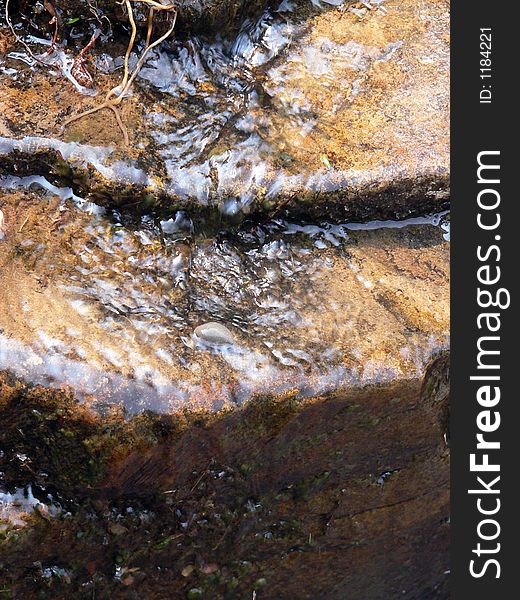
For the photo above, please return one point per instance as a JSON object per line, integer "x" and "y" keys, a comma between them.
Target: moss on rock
{"x": 287, "y": 498}
{"x": 194, "y": 15}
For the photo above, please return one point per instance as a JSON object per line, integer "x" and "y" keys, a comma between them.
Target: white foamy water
{"x": 15, "y": 507}
{"x": 217, "y": 141}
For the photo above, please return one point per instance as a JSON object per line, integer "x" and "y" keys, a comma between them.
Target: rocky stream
{"x": 224, "y": 299}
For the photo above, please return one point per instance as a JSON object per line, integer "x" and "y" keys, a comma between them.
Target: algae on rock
{"x": 253, "y": 499}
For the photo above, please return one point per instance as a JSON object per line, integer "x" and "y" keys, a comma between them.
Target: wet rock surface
{"x": 193, "y": 15}
{"x": 116, "y": 311}
{"x": 344, "y": 113}
{"x": 224, "y": 366}
{"x": 351, "y": 488}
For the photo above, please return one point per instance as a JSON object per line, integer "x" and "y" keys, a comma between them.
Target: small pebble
{"x": 188, "y": 570}
{"x": 214, "y": 333}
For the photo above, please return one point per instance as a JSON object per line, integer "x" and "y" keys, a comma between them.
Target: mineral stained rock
{"x": 339, "y": 114}
{"x": 202, "y": 394}
{"x": 111, "y": 310}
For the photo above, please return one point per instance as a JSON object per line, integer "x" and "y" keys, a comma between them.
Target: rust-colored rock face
{"x": 224, "y": 301}
{"x": 116, "y": 313}
{"x": 345, "y": 114}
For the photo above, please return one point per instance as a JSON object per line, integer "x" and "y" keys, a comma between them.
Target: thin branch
{"x": 17, "y": 37}
{"x": 129, "y": 76}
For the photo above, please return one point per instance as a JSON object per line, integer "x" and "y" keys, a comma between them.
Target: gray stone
{"x": 214, "y": 334}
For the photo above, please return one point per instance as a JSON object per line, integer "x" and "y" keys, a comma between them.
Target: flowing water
{"x": 264, "y": 264}
{"x": 243, "y": 122}
{"x": 110, "y": 308}
{"x": 108, "y": 304}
